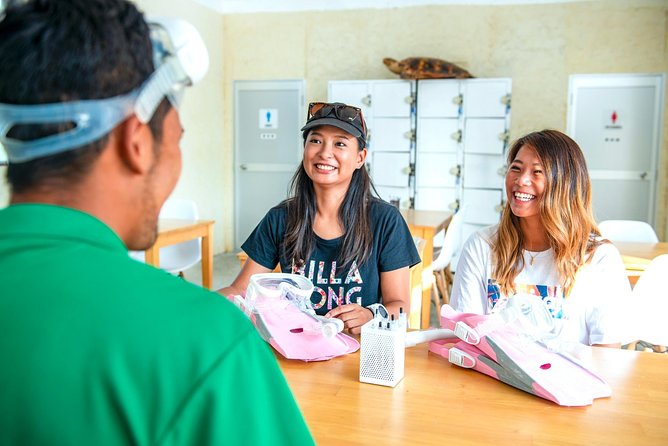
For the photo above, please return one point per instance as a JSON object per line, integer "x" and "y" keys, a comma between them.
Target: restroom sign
{"x": 612, "y": 119}
{"x": 268, "y": 118}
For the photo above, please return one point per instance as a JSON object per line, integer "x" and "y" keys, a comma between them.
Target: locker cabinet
{"x": 387, "y": 106}
{"x": 436, "y": 143}
{"x": 468, "y": 119}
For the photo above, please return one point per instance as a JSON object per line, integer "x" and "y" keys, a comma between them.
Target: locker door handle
{"x": 366, "y": 100}
{"x": 454, "y": 206}
{"x": 505, "y": 100}
{"x": 643, "y": 175}
{"x": 499, "y": 207}
{"x": 243, "y": 167}
{"x": 504, "y": 136}
{"x": 456, "y": 170}
{"x": 457, "y": 136}
{"x": 409, "y": 170}
{"x": 458, "y": 100}
{"x": 409, "y": 99}
{"x": 410, "y": 135}
{"x": 502, "y": 171}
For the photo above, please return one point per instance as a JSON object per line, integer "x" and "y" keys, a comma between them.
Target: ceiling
{"x": 253, "y": 6}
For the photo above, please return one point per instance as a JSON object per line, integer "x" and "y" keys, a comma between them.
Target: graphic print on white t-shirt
{"x": 332, "y": 290}
{"x": 551, "y": 295}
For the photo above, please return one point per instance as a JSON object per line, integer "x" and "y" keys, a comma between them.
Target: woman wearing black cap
{"x": 355, "y": 248}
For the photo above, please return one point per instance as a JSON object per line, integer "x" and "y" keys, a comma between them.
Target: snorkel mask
{"x": 180, "y": 59}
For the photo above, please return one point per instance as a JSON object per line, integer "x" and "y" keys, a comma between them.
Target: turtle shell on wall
{"x": 426, "y": 68}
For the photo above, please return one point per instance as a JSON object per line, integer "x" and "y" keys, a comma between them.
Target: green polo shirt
{"x": 96, "y": 348}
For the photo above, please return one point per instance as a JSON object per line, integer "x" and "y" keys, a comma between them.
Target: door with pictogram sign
{"x": 617, "y": 121}
{"x": 267, "y": 147}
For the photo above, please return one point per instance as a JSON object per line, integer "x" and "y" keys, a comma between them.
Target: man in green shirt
{"x": 96, "y": 348}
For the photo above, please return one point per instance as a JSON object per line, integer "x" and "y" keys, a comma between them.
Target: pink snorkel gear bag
{"x": 279, "y": 305}
{"x": 516, "y": 346}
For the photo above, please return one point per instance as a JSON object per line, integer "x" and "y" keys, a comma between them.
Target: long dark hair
{"x": 354, "y": 215}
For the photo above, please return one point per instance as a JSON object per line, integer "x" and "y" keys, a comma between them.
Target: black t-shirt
{"x": 393, "y": 248}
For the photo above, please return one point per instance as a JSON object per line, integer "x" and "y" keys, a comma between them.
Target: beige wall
{"x": 201, "y": 117}
{"x": 538, "y": 46}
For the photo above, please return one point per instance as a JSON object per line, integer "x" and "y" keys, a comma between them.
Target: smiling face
{"x": 525, "y": 183}
{"x": 331, "y": 156}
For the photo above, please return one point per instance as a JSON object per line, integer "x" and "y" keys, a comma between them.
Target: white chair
{"x": 649, "y": 302}
{"x": 441, "y": 265}
{"x": 627, "y": 231}
{"x": 177, "y": 258}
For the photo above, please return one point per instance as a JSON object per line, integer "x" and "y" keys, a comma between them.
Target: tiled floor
{"x": 225, "y": 269}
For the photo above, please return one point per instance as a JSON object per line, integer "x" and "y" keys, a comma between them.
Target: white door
{"x": 617, "y": 120}
{"x": 267, "y": 147}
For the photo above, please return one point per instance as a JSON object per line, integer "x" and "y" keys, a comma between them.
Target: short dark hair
{"x": 65, "y": 50}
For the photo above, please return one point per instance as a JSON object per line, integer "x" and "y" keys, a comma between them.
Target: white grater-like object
{"x": 382, "y": 352}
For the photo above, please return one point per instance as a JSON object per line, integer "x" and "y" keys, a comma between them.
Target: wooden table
{"x": 173, "y": 231}
{"x": 426, "y": 224}
{"x": 637, "y": 256}
{"x": 438, "y": 404}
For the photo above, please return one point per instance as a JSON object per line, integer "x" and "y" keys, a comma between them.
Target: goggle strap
{"x": 92, "y": 120}
{"x": 161, "y": 83}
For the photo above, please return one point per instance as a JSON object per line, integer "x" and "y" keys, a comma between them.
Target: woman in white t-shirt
{"x": 547, "y": 244}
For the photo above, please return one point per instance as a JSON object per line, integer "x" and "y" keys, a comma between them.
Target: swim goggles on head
{"x": 181, "y": 60}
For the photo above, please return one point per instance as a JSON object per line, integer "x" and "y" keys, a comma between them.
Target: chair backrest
{"x": 650, "y": 300}
{"x": 179, "y": 208}
{"x": 179, "y": 257}
{"x": 627, "y": 231}
{"x": 452, "y": 242}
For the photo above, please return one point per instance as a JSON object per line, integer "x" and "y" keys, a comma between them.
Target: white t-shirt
{"x": 592, "y": 314}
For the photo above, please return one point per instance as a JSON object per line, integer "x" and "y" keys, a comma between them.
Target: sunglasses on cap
{"x": 341, "y": 111}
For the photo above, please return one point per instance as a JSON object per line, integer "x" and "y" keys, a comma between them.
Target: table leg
{"x": 427, "y": 258}
{"x": 152, "y": 256}
{"x": 207, "y": 258}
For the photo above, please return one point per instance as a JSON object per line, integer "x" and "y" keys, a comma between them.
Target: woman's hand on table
{"x": 352, "y": 315}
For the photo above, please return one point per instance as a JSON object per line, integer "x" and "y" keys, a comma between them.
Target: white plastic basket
{"x": 382, "y": 353}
